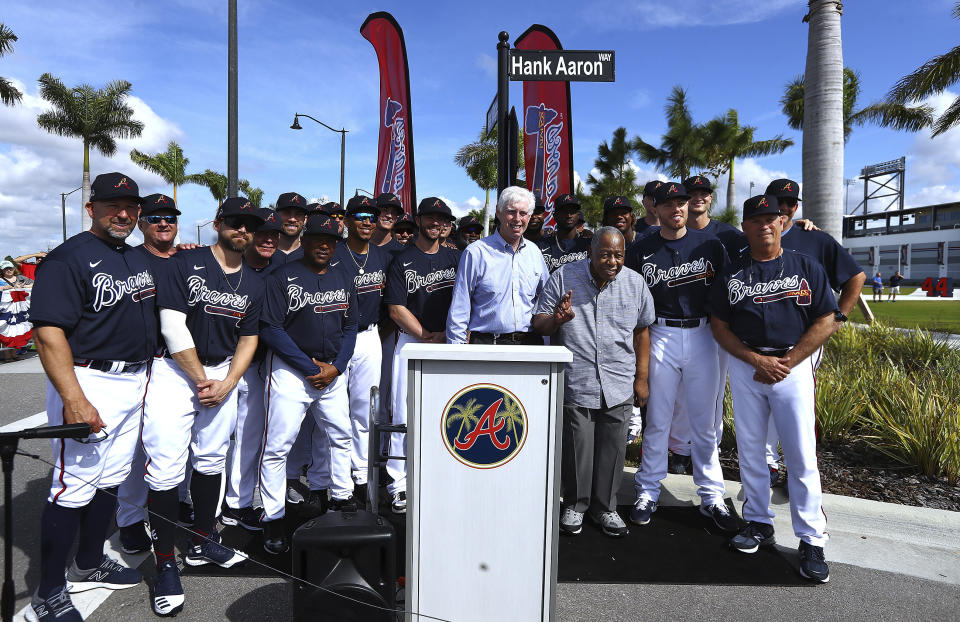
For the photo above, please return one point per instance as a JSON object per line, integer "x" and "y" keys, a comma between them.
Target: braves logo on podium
{"x": 484, "y": 426}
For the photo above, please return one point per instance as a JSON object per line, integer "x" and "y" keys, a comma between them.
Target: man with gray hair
{"x": 499, "y": 279}
{"x": 602, "y": 319}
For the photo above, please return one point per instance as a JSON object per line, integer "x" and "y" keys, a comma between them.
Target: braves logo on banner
{"x": 547, "y": 131}
{"x": 484, "y": 426}
{"x": 395, "y": 172}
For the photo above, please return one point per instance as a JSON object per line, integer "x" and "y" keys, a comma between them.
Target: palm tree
{"x": 512, "y": 416}
{"x": 682, "y": 148}
{"x": 891, "y": 114}
{"x": 97, "y": 116}
{"x": 466, "y": 414}
{"x": 213, "y": 181}
{"x": 170, "y": 165}
{"x": 479, "y": 160}
{"x": 9, "y": 94}
{"x": 254, "y": 195}
{"x": 617, "y": 176}
{"x": 932, "y": 78}
{"x": 591, "y": 205}
{"x": 727, "y": 141}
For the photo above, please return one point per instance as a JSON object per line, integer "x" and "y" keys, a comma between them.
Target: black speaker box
{"x": 351, "y": 555}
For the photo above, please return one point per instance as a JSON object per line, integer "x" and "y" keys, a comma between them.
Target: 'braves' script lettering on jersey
{"x": 435, "y": 280}
{"x": 688, "y": 272}
{"x": 298, "y": 299}
{"x": 108, "y": 291}
{"x": 364, "y": 281}
{"x": 197, "y": 291}
{"x": 770, "y": 291}
{"x": 555, "y": 262}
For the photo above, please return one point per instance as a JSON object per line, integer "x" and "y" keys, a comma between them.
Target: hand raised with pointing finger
{"x": 563, "y": 312}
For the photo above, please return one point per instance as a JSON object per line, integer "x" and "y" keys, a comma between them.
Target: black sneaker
{"x": 229, "y": 516}
{"x": 185, "y": 514}
{"x": 135, "y": 538}
{"x": 251, "y": 518}
{"x": 55, "y": 608}
{"x": 721, "y": 516}
{"x": 275, "y": 539}
{"x": 399, "y": 504}
{"x": 210, "y": 551}
{"x": 813, "y": 566}
{"x": 753, "y": 536}
{"x": 296, "y": 492}
{"x": 343, "y": 505}
{"x": 167, "y": 598}
{"x": 315, "y": 504}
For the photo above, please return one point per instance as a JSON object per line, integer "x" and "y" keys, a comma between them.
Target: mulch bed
{"x": 857, "y": 470}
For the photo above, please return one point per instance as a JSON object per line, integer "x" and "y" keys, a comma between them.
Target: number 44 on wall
{"x": 942, "y": 287}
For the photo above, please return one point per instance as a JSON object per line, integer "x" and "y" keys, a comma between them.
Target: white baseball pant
{"x": 688, "y": 355}
{"x": 387, "y": 349}
{"x": 289, "y": 398}
{"x": 80, "y": 468}
{"x": 132, "y": 494}
{"x": 311, "y": 450}
{"x": 176, "y": 426}
{"x": 397, "y": 469}
{"x": 790, "y": 403}
{"x": 244, "y": 462}
{"x": 680, "y": 428}
{"x": 773, "y": 438}
{"x": 364, "y": 373}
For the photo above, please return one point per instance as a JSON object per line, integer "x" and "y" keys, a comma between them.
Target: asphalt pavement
{"x": 887, "y": 562}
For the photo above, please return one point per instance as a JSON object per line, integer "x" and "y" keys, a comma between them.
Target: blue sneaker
{"x": 167, "y": 590}
{"x": 108, "y": 574}
{"x": 643, "y": 508}
{"x": 753, "y": 536}
{"x": 813, "y": 565}
{"x": 210, "y": 551}
{"x": 56, "y": 608}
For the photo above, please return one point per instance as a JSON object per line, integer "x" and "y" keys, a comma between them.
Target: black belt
{"x": 113, "y": 367}
{"x": 777, "y": 352}
{"x": 503, "y": 337}
{"x": 206, "y": 361}
{"x": 693, "y": 322}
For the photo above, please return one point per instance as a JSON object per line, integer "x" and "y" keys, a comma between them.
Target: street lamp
{"x": 63, "y": 209}
{"x": 203, "y": 224}
{"x": 343, "y": 140}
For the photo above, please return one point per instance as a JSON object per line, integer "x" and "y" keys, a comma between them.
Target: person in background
{"x": 894, "y": 286}
{"x": 10, "y": 278}
{"x": 534, "y": 231}
{"x": 404, "y": 230}
{"x": 878, "y": 287}
{"x": 27, "y": 268}
{"x": 650, "y": 217}
{"x": 469, "y": 230}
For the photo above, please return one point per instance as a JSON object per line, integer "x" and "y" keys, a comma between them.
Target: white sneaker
{"x": 399, "y": 505}
{"x": 611, "y": 524}
{"x": 571, "y": 521}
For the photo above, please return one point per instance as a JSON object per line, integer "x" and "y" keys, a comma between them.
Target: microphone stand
{"x": 8, "y": 449}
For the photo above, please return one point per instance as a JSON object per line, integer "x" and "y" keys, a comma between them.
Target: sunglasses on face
{"x": 336, "y": 216}
{"x": 156, "y": 220}
{"x": 791, "y": 203}
{"x": 474, "y": 231}
{"x": 237, "y": 222}
{"x": 364, "y": 216}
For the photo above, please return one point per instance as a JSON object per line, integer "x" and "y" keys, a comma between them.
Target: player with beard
{"x": 419, "y": 291}
{"x": 470, "y": 230}
{"x": 292, "y": 211}
{"x": 564, "y": 246}
{"x": 534, "y": 231}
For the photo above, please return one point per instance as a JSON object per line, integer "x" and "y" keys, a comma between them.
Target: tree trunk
{"x": 486, "y": 214}
{"x": 85, "y": 220}
{"x": 823, "y": 119}
{"x": 731, "y": 190}
{"x": 174, "y": 193}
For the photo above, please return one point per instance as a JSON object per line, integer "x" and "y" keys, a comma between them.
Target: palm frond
{"x": 792, "y": 103}
{"x": 949, "y": 118}
{"x": 9, "y": 94}
{"x": 931, "y": 78}
{"x": 7, "y": 39}
{"x": 895, "y": 116}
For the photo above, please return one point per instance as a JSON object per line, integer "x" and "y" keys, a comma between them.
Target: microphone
{"x": 73, "y": 430}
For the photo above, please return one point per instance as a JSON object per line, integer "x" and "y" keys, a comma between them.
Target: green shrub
{"x": 840, "y": 402}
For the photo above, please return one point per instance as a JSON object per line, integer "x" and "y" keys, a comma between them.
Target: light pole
{"x": 343, "y": 141}
{"x": 751, "y": 188}
{"x": 63, "y": 209}
{"x": 203, "y": 224}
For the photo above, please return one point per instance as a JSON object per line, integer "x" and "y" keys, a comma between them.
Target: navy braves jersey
{"x": 680, "y": 272}
{"x": 369, "y": 285}
{"x": 424, "y": 284}
{"x": 771, "y": 304}
{"x": 102, "y": 295}
{"x": 642, "y": 227}
{"x": 220, "y": 307}
{"x": 835, "y": 260}
{"x": 280, "y": 258}
{"x": 558, "y": 252}
{"x": 732, "y": 238}
{"x": 317, "y": 311}
{"x": 393, "y": 247}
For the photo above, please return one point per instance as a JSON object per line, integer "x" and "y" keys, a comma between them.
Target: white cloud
{"x": 932, "y": 195}
{"x": 487, "y": 64}
{"x": 36, "y": 167}
{"x": 935, "y": 160}
{"x": 649, "y": 14}
{"x": 639, "y": 98}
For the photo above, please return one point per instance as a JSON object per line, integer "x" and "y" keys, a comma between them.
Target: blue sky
{"x": 309, "y": 57}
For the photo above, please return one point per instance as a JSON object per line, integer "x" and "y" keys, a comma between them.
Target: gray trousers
{"x": 594, "y": 447}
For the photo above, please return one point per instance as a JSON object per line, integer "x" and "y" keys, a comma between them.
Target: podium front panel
{"x": 483, "y": 486}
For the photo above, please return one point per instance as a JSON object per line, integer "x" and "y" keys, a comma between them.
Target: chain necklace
{"x": 366, "y": 258}
{"x": 224, "y": 273}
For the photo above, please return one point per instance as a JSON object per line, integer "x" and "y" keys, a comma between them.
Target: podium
{"x": 483, "y": 485}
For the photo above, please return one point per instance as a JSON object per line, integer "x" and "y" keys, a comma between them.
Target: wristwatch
{"x": 839, "y": 316}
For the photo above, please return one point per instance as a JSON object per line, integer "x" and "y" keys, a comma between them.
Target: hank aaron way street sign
{"x": 562, "y": 65}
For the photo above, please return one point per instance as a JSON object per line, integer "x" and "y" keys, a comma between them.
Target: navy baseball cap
{"x": 404, "y": 221}
{"x": 784, "y": 189}
{"x": 434, "y": 205}
{"x": 237, "y": 206}
{"x": 670, "y": 190}
{"x": 156, "y": 202}
{"x": 321, "y": 224}
{"x": 292, "y": 199}
{"x": 618, "y": 202}
{"x": 538, "y": 206}
{"x": 469, "y": 221}
{"x": 759, "y": 205}
{"x": 271, "y": 222}
{"x": 567, "y": 199}
{"x": 697, "y": 182}
{"x": 650, "y": 189}
{"x": 389, "y": 199}
{"x": 332, "y": 209}
{"x": 361, "y": 204}
{"x": 114, "y": 186}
